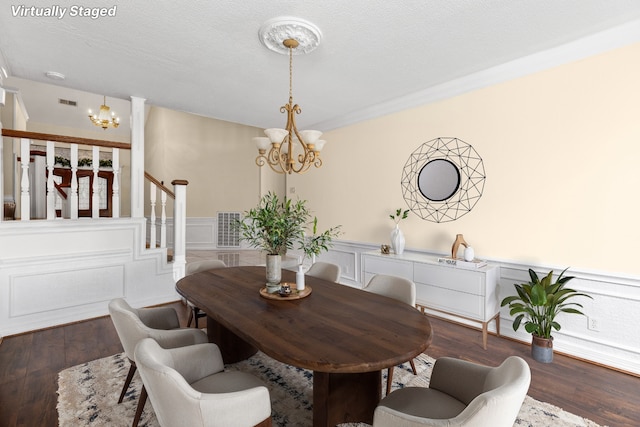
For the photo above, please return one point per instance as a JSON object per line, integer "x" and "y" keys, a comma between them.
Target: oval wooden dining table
{"x": 346, "y": 336}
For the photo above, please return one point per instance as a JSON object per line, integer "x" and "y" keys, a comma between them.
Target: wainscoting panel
{"x": 55, "y": 290}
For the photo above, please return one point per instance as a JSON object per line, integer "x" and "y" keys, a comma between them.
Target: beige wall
{"x": 216, "y": 157}
{"x": 560, "y": 151}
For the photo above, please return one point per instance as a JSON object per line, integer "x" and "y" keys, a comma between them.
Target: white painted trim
{"x": 588, "y": 46}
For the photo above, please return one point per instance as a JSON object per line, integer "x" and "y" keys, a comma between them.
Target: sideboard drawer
{"x": 450, "y": 301}
{"x": 389, "y": 266}
{"x": 467, "y": 281}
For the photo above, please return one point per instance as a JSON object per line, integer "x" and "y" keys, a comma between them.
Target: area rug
{"x": 88, "y": 394}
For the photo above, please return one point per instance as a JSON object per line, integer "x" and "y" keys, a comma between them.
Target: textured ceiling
{"x": 205, "y": 57}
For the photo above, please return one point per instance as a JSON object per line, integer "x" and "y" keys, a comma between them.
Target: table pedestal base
{"x": 340, "y": 398}
{"x": 233, "y": 348}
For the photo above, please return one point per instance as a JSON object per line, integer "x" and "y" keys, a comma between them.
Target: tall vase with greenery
{"x": 275, "y": 226}
{"x": 537, "y": 303}
{"x": 397, "y": 237}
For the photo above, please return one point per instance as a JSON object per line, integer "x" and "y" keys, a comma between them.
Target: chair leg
{"x": 389, "y": 379}
{"x": 132, "y": 370}
{"x": 190, "y": 319}
{"x": 413, "y": 366}
{"x": 195, "y": 315}
{"x": 141, "y": 402}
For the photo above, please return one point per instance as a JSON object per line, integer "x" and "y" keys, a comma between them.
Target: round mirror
{"x": 438, "y": 180}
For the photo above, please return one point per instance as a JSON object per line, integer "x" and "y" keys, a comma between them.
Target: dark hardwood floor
{"x": 29, "y": 366}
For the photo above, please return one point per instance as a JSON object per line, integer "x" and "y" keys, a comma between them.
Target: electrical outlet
{"x": 593, "y": 324}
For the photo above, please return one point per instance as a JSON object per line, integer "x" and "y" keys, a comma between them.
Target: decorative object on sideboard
{"x": 274, "y": 226}
{"x": 537, "y": 303}
{"x": 397, "y": 237}
{"x": 443, "y": 179}
{"x": 289, "y": 35}
{"x": 456, "y": 246}
{"x": 468, "y": 260}
{"x": 384, "y": 249}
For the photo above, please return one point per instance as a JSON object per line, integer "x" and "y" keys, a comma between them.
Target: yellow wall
{"x": 216, "y": 157}
{"x": 560, "y": 148}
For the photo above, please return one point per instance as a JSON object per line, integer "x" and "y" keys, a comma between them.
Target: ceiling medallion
{"x": 275, "y": 31}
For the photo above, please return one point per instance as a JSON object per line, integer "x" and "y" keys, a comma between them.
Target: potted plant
{"x": 537, "y": 304}
{"x": 274, "y": 226}
{"x": 397, "y": 237}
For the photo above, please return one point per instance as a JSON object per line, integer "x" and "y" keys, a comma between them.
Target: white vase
{"x": 397, "y": 240}
{"x": 469, "y": 254}
{"x": 274, "y": 272}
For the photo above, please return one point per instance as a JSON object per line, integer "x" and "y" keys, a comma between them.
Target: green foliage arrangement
{"x": 540, "y": 301}
{"x": 275, "y": 226}
{"x": 59, "y": 160}
{"x": 399, "y": 215}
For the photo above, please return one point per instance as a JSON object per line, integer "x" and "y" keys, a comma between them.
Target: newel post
{"x": 179, "y": 227}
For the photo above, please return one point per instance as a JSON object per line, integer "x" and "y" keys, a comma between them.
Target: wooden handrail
{"x": 11, "y": 133}
{"x": 159, "y": 184}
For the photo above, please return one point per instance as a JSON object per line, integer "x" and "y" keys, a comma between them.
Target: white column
{"x": 95, "y": 188}
{"x": 179, "y": 228}
{"x": 51, "y": 189}
{"x": 25, "y": 199}
{"x": 137, "y": 157}
{"x": 115, "y": 200}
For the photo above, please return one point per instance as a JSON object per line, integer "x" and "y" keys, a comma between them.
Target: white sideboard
{"x": 455, "y": 291}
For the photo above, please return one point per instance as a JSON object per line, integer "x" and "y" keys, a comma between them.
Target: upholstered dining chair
{"x": 324, "y": 270}
{"x": 398, "y": 288}
{"x": 194, "y": 267}
{"x": 460, "y": 393}
{"x": 159, "y": 323}
{"x": 188, "y": 387}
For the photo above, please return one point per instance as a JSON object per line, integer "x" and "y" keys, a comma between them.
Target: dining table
{"x": 345, "y": 335}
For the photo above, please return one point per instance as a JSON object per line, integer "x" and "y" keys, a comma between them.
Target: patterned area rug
{"x": 88, "y": 394}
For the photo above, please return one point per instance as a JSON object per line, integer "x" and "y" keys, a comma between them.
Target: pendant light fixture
{"x": 289, "y": 150}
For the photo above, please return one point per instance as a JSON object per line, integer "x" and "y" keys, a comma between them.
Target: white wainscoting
{"x": 615, "y": 307}
{"x": 201, "y": 234}
{"x": 57, "y": 272}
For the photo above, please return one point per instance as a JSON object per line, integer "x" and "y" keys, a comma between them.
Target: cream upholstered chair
{"x": 188, "y": 387}
{"x": 398, "y": 288}
{"x": 194, "y": 267}
{"x": 159, "y": 323}
{"x": 324, "y": 270}
{"x": 460, "y": 393}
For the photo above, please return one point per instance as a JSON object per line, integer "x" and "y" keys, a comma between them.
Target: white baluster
{"x": 152, "y": 220}
{"x": 115, "y": 200}
{"x": 163, "y": 220}
{"x": 73, "y": 197}
{"x": 51, "y": 189}
{"x": 95, "y": 188}
{"x": 25, "y": 199}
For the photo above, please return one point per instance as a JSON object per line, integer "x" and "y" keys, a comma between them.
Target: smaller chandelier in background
{"x": 279, "y": 148}
{"x": 105, "y": 118}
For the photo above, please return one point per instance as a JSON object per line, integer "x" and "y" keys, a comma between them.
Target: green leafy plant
{"x": 316, "y": 243}
{"x": 275, "y": 226}
{"x": 540, "y": 301}
{"x": 399, "y": 215}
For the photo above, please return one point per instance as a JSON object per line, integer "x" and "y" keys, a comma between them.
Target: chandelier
{"x": 289, "y": 150}
{"x": 104, "y": 118}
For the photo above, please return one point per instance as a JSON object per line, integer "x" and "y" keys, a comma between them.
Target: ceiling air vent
{"x": 67, "y": 102}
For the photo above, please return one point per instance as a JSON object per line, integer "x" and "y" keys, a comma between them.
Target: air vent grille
{"x": 67, "y": 102}
{"x": 228, "y": 237}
